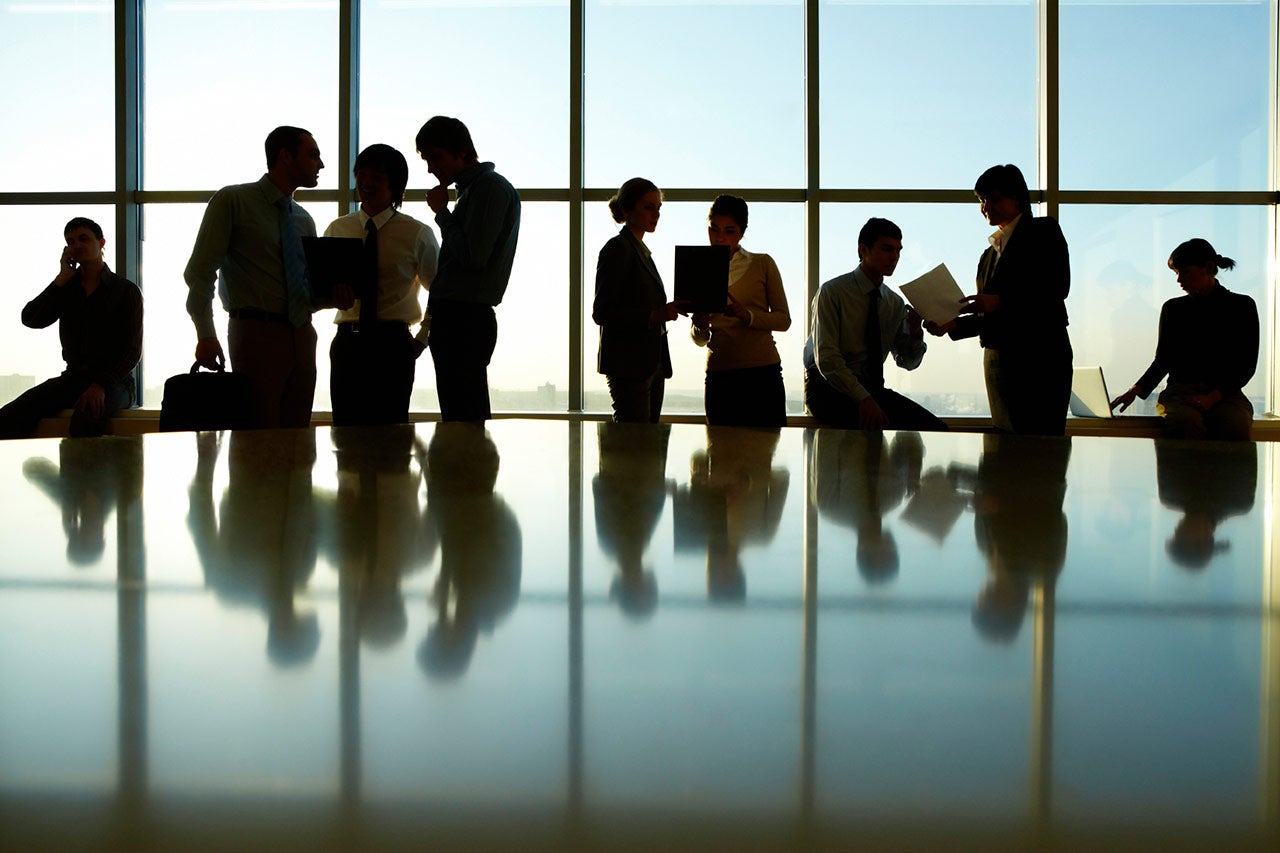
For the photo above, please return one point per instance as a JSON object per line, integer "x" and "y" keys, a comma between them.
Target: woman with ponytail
{"x": 1208, "y": 347}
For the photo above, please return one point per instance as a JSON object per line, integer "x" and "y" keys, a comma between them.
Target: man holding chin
{"x": 99, "y": 317}
{"x": 478, "y": 246}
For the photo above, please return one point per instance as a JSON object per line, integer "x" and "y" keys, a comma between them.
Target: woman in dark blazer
{"x": 631, "y": 308}
{"x": 1019, "y": 312}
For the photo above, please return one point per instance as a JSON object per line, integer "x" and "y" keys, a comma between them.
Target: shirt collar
{"x": 999, "y": 238}
{"x": 468, "y": 175}
{"x": 378, "y": 221}
{"x": 270, "y": 191}
{"x": 742, "y": 254}
{"x": 865, "y": 284}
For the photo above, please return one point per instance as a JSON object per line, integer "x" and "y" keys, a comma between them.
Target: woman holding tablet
{"x": 744, "y": 372}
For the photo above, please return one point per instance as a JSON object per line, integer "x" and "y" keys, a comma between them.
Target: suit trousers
{"x": 20, "y": 417}
{"x": 637, "y": 401}
{"x": 371, "y": 376}
{"x": 1230, "y": 420}
{"x": 1029, "y": 391}
{"x": 463, "y": 336}
{"x": 280, "y": 361}
{"x": 831, "y": 408}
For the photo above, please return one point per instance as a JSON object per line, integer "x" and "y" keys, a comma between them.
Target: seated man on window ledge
{"x": 99, "y": 316}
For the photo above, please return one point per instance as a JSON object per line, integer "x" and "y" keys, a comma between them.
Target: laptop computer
{"x": 1089, "y": 398}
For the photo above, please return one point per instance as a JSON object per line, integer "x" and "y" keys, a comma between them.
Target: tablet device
{"x": 331, "y": 260}
{"x": 1089, "y": 398}
{"x": 702, "y": 278}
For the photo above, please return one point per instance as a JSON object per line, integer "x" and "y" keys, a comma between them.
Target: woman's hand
{"x": 939, "y": 329}
{"x": 979, "y": 303}
{"x": 701, "y": 319}
{"x": 737, "y": 309}
{"x": 669, "y": 312}
{"x": 1125, "y": 400}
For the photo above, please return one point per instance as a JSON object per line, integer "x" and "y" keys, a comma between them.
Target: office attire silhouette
{"x": 633, "y": 356}
{"x": 1028, "y": 355}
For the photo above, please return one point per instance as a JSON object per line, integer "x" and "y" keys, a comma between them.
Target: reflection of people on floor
{"x": 480, "y": 548}
{"x": 630, "y": 491}
{"x": 734, "y": 498}
{"x": 1019, "y": 525}
{"x": 1207, "y": 483}
{"x": 856, "y": 478}
{"x": 90, "y": 480}
{"x": 259, "y": 549}
{"x": 371, "y": 531}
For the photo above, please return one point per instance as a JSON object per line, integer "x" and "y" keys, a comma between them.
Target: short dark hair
{"x": 629, "y": 195}
{"x": 84, "y": 222}
{"x": 1198, "y": 252}
{"x": 390, "y": 162}
{"x": 283, "y": 138}
{"x": 447, "y": 133}
{"x": 1004, "y": 182}
{"x": 731, "y": 206}
{"x": 877, "y": 228}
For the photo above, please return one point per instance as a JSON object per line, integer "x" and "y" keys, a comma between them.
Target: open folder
{"x": 1089, "y": 398}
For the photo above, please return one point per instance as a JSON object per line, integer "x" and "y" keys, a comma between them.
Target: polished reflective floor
{"x": 552, "y": 635}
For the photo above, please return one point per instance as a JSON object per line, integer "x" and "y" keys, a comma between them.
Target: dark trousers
{"x": 371, "y": 376}
{"x": 280, "y": 362}
{"x": 1230, "y": 420}
{"x": 749, "y": 396}
{"x": 637, "y": 401}
{"x": 832, "y": 408}
{"x": 463, "y": 335}
{"x": 1029, "y": 390}
{"x": 20, "y": 418}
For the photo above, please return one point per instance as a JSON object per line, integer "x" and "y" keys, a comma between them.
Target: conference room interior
{"x": 676, "y": 635}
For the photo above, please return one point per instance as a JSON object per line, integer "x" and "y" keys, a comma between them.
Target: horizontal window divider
{"x": 104, "y": 197}
{"x": 687, "y": 194}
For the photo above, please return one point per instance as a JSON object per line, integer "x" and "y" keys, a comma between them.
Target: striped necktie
{"x": 297, "y": 290}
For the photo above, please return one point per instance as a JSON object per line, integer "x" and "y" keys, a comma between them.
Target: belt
{"x": 258, "y": 314}
{"x": 374, "y": 326}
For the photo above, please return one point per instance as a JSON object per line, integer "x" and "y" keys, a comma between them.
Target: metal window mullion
{"x": 576, "y": 283}
{"x": 128, "y": 97}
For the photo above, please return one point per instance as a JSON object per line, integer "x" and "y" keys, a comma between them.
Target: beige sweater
{"x": 754, "y": 283}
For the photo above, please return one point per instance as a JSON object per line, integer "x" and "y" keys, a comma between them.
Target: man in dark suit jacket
{"x": 1019, "y": 312}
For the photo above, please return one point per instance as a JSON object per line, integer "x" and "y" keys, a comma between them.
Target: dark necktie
{"x": 874, "y": 370}
{"x": 369, "y": 293}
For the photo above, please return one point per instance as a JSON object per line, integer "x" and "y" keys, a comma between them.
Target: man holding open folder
{"x": 373, "y": 355}
{"x": 857, "y": 321}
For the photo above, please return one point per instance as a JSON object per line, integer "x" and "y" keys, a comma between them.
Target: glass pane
{"x": 57, "y": 61}
{"x": 676, "y": 91}
{"x": 774, "y": 229}
{"x": 509, "y": 82}
{"x": 949, "y": 381}
{"x": 220, "y": 74}
{"x": 925, "y": 94}
{"x": 1165, "y": 94}
{"x": 1121, "y": 278}
{"x": 30, "y": 356}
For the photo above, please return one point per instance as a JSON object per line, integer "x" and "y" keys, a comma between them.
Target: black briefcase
{"x": 214, "y": 399}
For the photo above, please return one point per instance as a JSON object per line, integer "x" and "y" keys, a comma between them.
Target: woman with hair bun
{"x": 1208, "y": 347}
{"x": 744, "y": 371}
{"x": 631, "y": 308}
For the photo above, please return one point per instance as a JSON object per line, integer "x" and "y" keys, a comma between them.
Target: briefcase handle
{"x": 222, "y": 365}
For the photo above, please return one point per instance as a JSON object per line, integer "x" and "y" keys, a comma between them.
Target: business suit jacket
{"x": 628, "y": 291}
{"x": 1029, "y": 329}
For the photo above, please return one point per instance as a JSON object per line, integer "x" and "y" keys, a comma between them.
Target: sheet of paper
{"x": 935, "y": 295}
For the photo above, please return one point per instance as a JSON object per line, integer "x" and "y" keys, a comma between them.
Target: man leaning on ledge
{"x": 99, "y": 317}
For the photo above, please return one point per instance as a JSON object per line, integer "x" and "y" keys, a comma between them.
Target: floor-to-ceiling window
{"x": 1138, "y": 124}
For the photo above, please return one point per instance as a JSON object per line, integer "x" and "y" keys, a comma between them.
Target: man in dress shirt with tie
{"x": 373, "y": 354}
{"x": 250, "y": 243}
{"x": 856, "y": 322}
